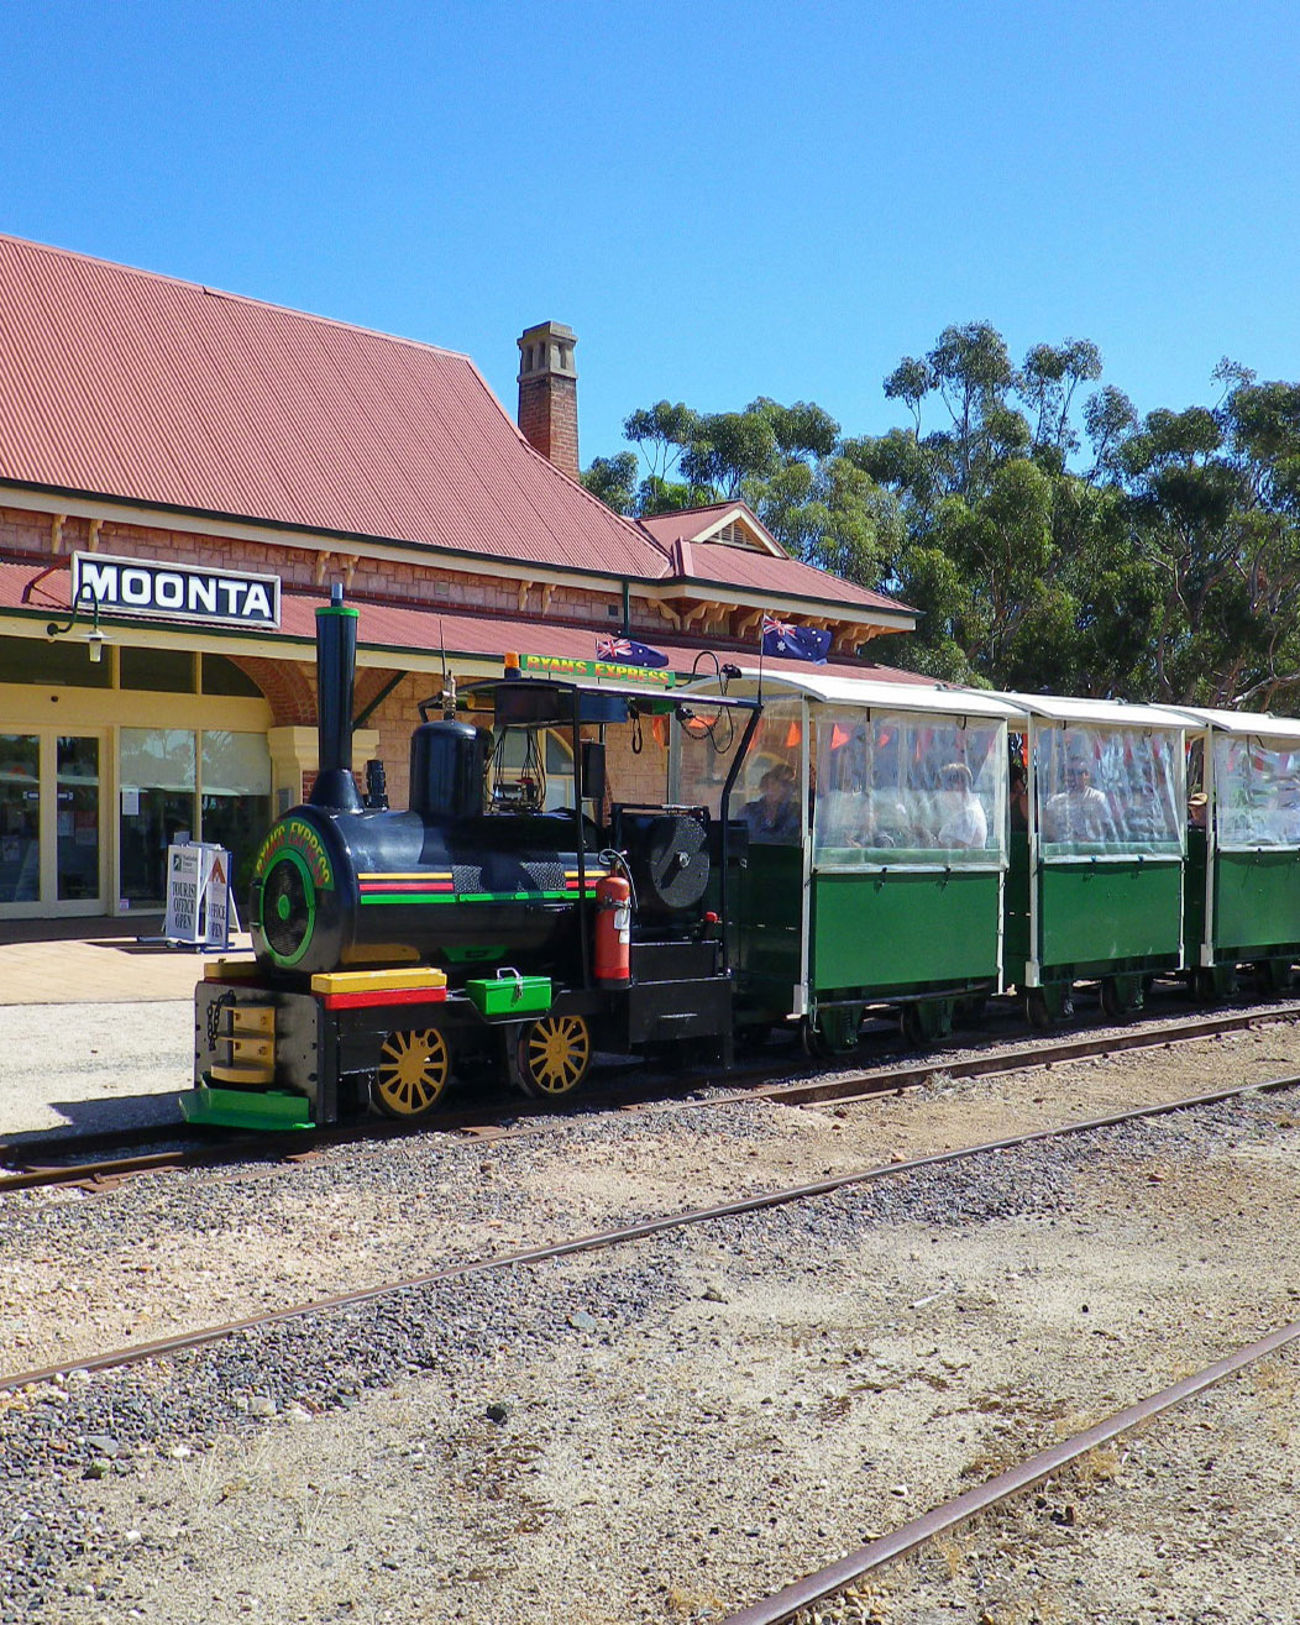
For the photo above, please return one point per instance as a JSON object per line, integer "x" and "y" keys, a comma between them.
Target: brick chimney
{"x": 548, "y": 393}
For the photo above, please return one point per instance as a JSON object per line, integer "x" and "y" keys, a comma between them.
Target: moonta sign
{"x": 178, "y": 591}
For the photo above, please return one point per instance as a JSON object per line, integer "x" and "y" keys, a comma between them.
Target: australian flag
{"x": 795, "y": 642}
{"x": 629, "y": 652}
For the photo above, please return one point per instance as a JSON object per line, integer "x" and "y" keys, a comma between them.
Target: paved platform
{"x": 96, "y": 1028}
{"x": 96, "y": 961}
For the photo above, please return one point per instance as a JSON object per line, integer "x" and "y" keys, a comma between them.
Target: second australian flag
{"x": 795, "y": 642}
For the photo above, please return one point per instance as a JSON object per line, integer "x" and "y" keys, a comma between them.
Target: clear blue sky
{"x": 724, "y": 198}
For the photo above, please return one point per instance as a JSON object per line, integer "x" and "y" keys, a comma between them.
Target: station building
{"x": 185, "y": 474}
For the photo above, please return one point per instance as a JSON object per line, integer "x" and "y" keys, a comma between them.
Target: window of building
{"x": 164, "y": 671}
{"x": 157, "y": 778}
{"x": 212, "y": 786}
{"x": 53, "y": 662}
{"x": 236, "y": 797}
{"x": 222, "y": 676}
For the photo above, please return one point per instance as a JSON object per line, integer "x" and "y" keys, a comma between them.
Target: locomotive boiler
{"x": 476, "y": 931}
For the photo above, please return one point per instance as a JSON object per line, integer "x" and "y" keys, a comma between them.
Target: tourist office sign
{"x": 182, "y": 592}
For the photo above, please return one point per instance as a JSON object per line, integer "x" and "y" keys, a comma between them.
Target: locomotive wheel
{"x": 551, "y": 1056}
{"x": 413, "y": 1073}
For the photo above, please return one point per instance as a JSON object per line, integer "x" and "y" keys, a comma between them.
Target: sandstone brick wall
{"x": 410, "y": 583}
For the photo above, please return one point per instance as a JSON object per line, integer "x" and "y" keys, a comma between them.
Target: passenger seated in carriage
{"x": 773, "y": 817}
{"x": 1080, "y": 812}
{"x": 964, "y": 822}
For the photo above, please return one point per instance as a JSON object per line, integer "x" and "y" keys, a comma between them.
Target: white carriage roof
{"x": 882, "y": 696}
{"x": 1240, "y": 723}
{"x": 1101, "y": 713}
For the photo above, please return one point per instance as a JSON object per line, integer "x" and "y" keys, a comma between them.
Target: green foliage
{"x": 1162, "y": 562}
{"x": 613, "y": 480}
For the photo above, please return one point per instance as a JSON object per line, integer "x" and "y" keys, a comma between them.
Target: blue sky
{"x": 722, "y": 199}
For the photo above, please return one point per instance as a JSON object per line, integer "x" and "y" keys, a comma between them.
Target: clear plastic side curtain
{"x": 1110, "y": 792}
{"x": 894, "y": 788}
{"x": 1257, "y": 791}
{"x": 766, "y": 791}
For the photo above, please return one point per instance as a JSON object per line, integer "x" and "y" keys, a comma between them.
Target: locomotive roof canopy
{"x": 548, "y": 702}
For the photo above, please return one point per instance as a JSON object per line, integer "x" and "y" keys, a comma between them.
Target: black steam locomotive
{"x": 476, "y": 932}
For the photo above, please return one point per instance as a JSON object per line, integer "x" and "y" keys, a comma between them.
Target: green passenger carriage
{"x": 877, "y": 853}
{"x": 1098, "y": 839}
{"x": 1243, "y": 849}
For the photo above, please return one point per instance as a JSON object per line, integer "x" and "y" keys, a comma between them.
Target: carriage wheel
{"x": 1037, "y": 1011}
{"x": 911, "y": 1022}
{"x": 413, "y": 1073}
{"x": 551, "y": 1056}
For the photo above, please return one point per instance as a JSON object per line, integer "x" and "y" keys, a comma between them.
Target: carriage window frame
{"x": 887, "y": 796}
{"x": 1110, "y": 792}
{"x": 1256, "y": 793}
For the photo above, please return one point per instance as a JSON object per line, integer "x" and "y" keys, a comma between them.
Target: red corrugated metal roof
{"x": 386, "y": 626}
{"x": 121, "y": 383}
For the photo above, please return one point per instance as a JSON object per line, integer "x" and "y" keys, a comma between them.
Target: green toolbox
{"x": 510, "y": 994}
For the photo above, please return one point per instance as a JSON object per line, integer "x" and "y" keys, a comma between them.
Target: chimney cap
{"x": 542, "y": 329}
{"x": 546, "y": 350}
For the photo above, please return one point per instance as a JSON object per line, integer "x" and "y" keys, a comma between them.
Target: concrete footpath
{"x": 96, "y": 1029}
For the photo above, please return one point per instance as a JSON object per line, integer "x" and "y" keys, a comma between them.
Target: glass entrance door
{"x": 20, "y": 819}
{"x": 76, "y": 844}
{"x": 51, "y": 831}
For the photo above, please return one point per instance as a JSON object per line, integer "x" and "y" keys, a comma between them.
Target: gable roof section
{"x": 714, "y": 524}
{"x": 764, "y": 569}
{"x": 121, "y": 383}
{"x": 784, "y": 578}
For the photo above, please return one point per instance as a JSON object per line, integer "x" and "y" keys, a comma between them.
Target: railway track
{"x": 461, "y": 1269}
{"x": 831, "y": 1582}
{"x": 38, "y": 1163}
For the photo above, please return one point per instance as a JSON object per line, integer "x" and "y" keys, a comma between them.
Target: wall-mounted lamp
{"x": 95, "y": 639}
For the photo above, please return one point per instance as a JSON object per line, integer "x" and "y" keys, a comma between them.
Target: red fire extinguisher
{"x": 613, "y": 930}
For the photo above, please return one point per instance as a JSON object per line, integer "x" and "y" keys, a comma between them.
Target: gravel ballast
{"x": 655, "y": 1433}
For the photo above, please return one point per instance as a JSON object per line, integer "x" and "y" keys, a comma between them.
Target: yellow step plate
{"x": 230, "y": 970}
{"x": 377, "y": 981}
{"x": 247, "y": 1018}
{"x": 256, "y": 1051}
{"x": 251, "y": 1076}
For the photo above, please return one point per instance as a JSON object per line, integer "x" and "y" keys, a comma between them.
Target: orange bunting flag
{"x": 839, "y": 736}
{"x": 794, "y": 736}
{"x": 659, "y": 728}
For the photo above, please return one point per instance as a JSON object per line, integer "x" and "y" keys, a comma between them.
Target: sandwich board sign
{"x": 200, "y": 908}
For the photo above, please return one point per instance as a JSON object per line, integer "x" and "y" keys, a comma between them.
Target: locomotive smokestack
{"x": 336, "y": 659}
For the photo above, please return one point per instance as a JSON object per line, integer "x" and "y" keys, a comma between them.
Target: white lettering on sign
{"x": 169, "y": 591}
{"x": 191, "y": 592}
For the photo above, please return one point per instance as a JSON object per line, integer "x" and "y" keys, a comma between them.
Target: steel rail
{"x": 801, "y": 1091}
{"x": 784, "y": 1605}
{"x": 179, "y": 1342}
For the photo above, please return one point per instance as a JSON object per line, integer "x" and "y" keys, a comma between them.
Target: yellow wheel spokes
{"x": 413, "y": 1072}
{"x": 559, "y": 1048}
